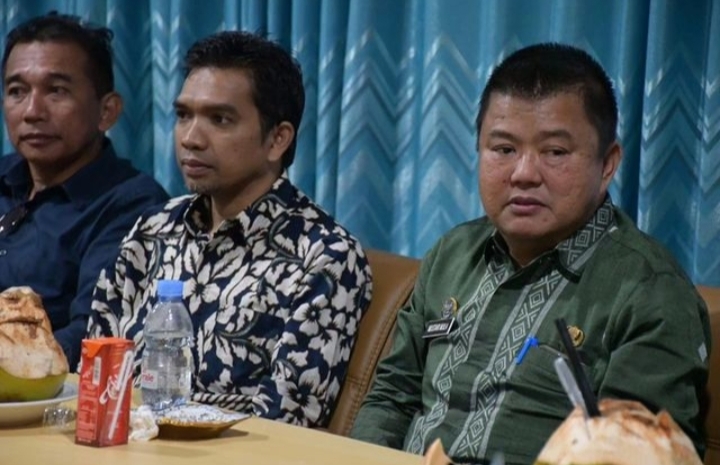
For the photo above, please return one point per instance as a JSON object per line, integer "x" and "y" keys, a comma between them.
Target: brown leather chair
{"x": 393, "y": 281}
{"x": 711, "y": 295}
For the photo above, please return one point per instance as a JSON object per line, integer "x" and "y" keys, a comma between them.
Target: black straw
{"x": 580, "y": 375}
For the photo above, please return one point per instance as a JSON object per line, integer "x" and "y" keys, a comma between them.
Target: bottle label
{"x": 149, "y": 379}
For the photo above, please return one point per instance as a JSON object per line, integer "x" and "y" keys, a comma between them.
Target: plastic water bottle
{"x": 167, "y": 363}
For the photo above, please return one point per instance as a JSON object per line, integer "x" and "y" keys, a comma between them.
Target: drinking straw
{"x": 498, "y": 459}
{"x": 571, "y": 388}
{"x": 580, "y": 375}
{"x": 125, "y": 370}
{"x": 569, "y": 384}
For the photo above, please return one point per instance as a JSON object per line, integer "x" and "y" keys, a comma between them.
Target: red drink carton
{"x": 104, "y": 392}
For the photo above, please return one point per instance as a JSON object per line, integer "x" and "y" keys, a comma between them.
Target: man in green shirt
{"x": 551, "y": 246}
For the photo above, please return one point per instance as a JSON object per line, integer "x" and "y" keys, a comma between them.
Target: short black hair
{"x": 276, "y": 77}
{"x": 93, "y": 40}
{"x": 544, "y": 70}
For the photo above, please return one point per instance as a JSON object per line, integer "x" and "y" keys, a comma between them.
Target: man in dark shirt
{"x": 66, "y": 199}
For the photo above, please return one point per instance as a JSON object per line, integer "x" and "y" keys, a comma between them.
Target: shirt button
{"x": 3, "y": 252}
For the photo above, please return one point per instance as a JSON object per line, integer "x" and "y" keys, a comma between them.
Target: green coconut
{"x": 14, "y": 389}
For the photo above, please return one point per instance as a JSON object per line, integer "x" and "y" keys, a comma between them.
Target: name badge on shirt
{"x": 441, "y": 327}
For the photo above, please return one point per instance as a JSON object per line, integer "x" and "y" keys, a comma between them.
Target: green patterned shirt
{"x": 642, "y": 327}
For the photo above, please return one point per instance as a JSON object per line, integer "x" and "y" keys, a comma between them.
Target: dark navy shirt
{"x": 70, "y": 232}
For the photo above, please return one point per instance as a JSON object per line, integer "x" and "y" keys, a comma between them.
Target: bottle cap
{"x": 169, "y": 288}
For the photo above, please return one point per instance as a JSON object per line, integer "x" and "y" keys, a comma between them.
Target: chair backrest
{"x": 711, "y": 295}
{"x": 393, "y": 280}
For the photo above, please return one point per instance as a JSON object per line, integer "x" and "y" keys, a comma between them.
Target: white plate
{"x": 23, "y": 413}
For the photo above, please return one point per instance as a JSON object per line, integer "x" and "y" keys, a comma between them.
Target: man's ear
{"x": 281, "y": 138}
{"x": 611, "y": 162}
{"x": 111, "y": 106}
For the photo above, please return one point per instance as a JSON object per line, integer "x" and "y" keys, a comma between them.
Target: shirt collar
{"x": 574, "y": 252}
{"x": 270, "y": 205}
{"x": 16, "y": 179}
{"x": 81, "y": 188}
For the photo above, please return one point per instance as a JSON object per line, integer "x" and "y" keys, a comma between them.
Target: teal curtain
{"x": 387, "y": 140}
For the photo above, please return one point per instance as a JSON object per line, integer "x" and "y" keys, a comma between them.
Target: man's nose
{"x": 191, "y": 135}
{"x": 527, "y": 170}
{"x": 35, "y": 108}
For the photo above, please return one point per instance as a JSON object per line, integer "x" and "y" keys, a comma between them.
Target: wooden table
{"x": 254, "y": 441}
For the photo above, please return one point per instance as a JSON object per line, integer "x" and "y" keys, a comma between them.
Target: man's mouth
{"x": 193, "y": 167}
{"x": 38, "y": 139}
{"x": 525, "y": 205}
{"x": 525, "y": 201}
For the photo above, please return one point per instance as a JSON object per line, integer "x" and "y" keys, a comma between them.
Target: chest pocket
{"x": 237, "y": 343}
{"x": 237, "y": 339}
{"x": 536, "y": 382}
{"x": 44, "y": 261}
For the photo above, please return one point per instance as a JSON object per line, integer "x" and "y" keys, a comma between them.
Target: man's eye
{"x": 59, "y": 90}
{"x": 181, "y": 114}
{"x": 14, "y": 91}
{"x": 504, "y": 150}
{"x": 557, "y": 152}
{"x": 220, "y": 119}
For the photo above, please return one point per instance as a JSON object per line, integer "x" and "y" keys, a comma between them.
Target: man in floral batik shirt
{"x": 275, "y": 287}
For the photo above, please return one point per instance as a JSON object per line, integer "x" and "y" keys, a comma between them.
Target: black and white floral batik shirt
{"x": 276, "y": 296}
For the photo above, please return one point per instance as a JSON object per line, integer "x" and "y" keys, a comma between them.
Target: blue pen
{"x": 531, "y": 341}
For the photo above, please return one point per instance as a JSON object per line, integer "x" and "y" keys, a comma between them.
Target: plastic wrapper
{"x": 142, "y": 424}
